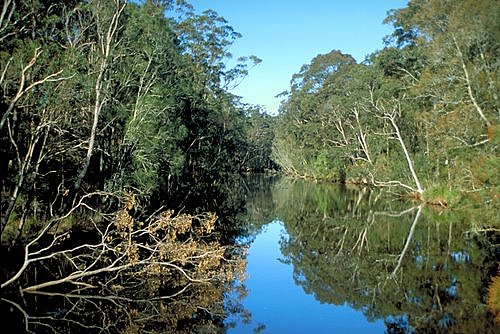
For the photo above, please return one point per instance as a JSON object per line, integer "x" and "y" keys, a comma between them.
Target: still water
{"x": 319, "y": 258}
{"x": 323, "y": 258}
{"x": 279, "y": 305}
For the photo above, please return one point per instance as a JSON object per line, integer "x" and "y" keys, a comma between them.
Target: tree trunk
{"x": 23, "y": 167}
{"x": 407, "y": 155}
{"x": 106, "y": 43}
{"x": 468, "y": 82}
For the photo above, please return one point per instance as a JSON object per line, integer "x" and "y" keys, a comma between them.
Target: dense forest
{"x": 421, "y": 114}
{"x": 118, "y": 134}
{"x": 108, "y": 96}
{"x": 119, "y": 129}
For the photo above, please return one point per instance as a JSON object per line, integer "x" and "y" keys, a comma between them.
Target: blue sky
{"x": 286, "y": 34}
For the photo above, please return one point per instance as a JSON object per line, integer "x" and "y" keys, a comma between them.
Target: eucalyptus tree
{"x": 32, "y": 72}
{"x": 109, "y": 95}
{"x": 422, "y": 113}
{"x": 457, "y": 88}
{"x": 259, "y": 131}
{"x": 212, "y": 118}
{"x": 302, "y": 133}
{"x": 144, "y": 143}
{"x": 107, "y": 22}
{"x": 333, "y": 118}
{"x": 465, "y": 34}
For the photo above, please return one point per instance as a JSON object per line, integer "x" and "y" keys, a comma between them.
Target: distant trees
{"x": 420, "y": 111}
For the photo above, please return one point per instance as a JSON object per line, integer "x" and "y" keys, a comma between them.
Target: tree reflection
{"x": 414, "y": 267}
{"x": 170, "y": 273}
{"x": 197, "y": 308}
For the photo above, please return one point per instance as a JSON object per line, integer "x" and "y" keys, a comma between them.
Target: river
{"x": 319, "y": 258}
{"x": 325, "y": 258}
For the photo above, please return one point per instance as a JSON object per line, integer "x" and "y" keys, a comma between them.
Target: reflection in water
{"x": 416, "y": 269}
{"x": 333, "y": 259}
{"x": 278, "y": 305}
{"x": 196, "y": 308}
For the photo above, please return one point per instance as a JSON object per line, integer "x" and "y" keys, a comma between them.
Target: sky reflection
{"x": 277, "y": 303}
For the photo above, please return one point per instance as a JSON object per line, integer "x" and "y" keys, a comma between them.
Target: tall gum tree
{"x": 457, "y": 89}
{"x": 461, "y": 41}
{"x": 107, "y": 21}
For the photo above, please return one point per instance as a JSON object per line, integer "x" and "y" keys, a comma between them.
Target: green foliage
{"x": 442, "y": 195}
{"x": 323, "y": 164}
{"x": 436, "y": 81}
{"x": 108, "y": 96}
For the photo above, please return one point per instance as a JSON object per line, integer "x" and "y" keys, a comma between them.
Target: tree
{"x": 302, "y": 138}
{"x": 470, "y": 52}
{"x": 423, "y": 108}
{"x": 107, "y": 22}
{"x": 455, "y": 90}
{"x": 29, "y": 78}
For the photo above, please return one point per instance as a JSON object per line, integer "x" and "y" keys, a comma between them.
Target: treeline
{"x": 111, "y": 96}
{"x": 421, "y": 114}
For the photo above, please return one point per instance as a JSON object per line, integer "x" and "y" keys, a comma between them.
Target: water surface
{"x": 329, "y": 259}
{"x": 279, "y": 305}
{"x": 321, "y": 258}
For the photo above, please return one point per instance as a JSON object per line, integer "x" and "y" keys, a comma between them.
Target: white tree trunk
{"x": 468, "y": 82}
{"x": 419, "y": 188}
{"x": 106, "y": 43}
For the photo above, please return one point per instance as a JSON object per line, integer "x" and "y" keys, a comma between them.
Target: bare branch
{"x": 22, "y": 82}
{"x": 390, "y": 184}
{"x": 468, "y": 83}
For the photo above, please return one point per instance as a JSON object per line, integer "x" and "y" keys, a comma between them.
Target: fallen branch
{"x": 390, "y": 184}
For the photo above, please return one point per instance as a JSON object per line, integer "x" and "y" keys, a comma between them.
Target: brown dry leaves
{"x": 174, "y": 249}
